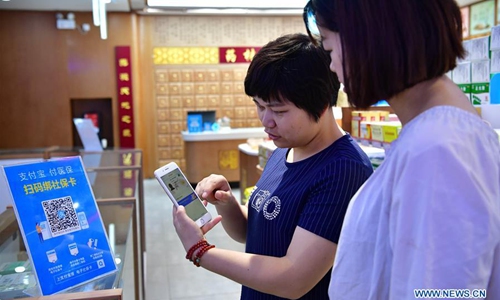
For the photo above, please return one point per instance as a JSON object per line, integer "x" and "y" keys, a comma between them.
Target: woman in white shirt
{"x": 429, "y": 217}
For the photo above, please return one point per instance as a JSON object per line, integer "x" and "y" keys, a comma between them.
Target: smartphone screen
{"x": 184, "y": 194}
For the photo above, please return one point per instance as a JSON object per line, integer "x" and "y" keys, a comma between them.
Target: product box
{"x": 366, "y": 116}
{"x": 390, "y": 131}
{"x": 366, "y": 133}
{"x": 480, "y": 93}
{"x": 480, "y": 71}
{"x": 357, "y": 117}
{"x": 462, "y": 73}
{"x": 467, "y": 47}
{"x": 495, "y": 38}
{"x": 377, "y": 134}
{"x": 480, "y": 48}
{"x": 195, "y": 123}
{"x": 495, "y": 62}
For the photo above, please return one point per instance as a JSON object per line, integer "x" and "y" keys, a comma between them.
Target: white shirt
{"x": 429, "y": 216}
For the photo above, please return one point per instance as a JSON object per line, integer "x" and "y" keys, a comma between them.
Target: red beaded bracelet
{"x": 200, "y": 253}
{"x": 195, "y": 247}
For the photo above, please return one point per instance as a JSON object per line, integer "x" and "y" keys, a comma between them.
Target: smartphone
{"x": 180, "y": 191}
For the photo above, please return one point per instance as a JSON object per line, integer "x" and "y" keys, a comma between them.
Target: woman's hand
{"x": 188, "y": 231}
{"x": 215, "y": 189}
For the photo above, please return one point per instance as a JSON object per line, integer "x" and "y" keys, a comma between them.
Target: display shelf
{"x": 113, "y": 174}
{"x": 124, "y": 283}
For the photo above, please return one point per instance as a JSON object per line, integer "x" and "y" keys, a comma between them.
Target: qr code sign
{"x": 61, "y": 216}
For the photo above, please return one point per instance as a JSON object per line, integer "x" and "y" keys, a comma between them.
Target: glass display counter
{"x": 119, "y": 216}
{"x": 113, "y": 174}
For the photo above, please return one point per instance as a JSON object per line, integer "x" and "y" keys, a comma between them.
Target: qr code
{"x": 61, "y": 216}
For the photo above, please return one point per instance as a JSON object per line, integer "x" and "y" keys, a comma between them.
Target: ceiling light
{"x": 102, "y": 18}
{"x": 95, "y": 12}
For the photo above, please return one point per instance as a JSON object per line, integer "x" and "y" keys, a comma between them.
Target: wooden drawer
{"x": 200, "y": 75}
{"x": 188, "y": 101}
{"x": 200, "y": 88}
{"x": 176, "y": 114}
{"x": 177, "y": 152}
{"x": 174, "y": 88}
{"x": 239, "y": 88}
{"x": 187, "y": 76}
{"x": 176, "y": 127}
{"x": 227, "y": 88}
{"x": 227, "y": 75}
{"x": 242, "y": 100}
{"x": 228, "y": 112}
{"x": 163, "y": 114}
{"x": 213, "y": 75}
{"x": 163, "y": 127}
{"x": 227, "y": 101}
{"x": 213, "y": 88}
{"x": 177, "y": 140}
{"x": 162, "y": 102}
{"x": 201, "y": 101}
{"x": 238, "y": 123}
{"x": 240, "y": 74}
{"x": 164, "y": 140}
{"x": 161, "y": 76}
{"x": 175, "y": 102}
{"x": 164, "y": 152}
{"x": 187, "y": 88}
{"x": 213, "y": 100}
{"x": 174, "y": 75}
{"x": 240, "y": 112}
{"x": 161, "y": 89}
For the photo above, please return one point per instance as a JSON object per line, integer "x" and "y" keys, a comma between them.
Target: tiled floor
{"x": 169, "y": 276}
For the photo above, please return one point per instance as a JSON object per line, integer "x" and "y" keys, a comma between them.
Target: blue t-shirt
{"x": 313, "y": 193}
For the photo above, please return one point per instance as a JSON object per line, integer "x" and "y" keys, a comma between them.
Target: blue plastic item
{"x": 495, "y": 89}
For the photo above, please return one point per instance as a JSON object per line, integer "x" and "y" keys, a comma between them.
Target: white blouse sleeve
{"x": 444, "y": 222}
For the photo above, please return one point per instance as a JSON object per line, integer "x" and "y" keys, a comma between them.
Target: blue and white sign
{"x": 60, "y": 222}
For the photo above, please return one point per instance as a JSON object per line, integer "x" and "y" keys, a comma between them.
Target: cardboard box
{"x": 462, "y": 73}
{"x": 357, "y": 117}
{"x": 480, "y": 48}
{"x": 390, "y": 131}
{"x": 480, "y": 93}
{"x": 480, "y": 71}
{"x": 377, "y": 132}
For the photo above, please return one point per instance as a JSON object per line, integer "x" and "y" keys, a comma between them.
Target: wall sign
{"x": 60, "y": 223}
{"x": 125, "y": 98}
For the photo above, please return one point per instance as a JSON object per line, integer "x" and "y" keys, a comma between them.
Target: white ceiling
{"x": 124, "y": 5}
{"x": 63, "y": 5}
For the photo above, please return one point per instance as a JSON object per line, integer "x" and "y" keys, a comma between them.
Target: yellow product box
{"x": 390, "y": 131}
{"x": 365, "y": 130}
{"x": 357, "y": 117}
{"x": 377, "y": 132}
{"x": 366, "y": 133}
{"x": 380, "y": 116}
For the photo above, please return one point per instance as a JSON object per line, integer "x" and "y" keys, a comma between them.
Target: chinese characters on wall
{"x": 125, "y": 99}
